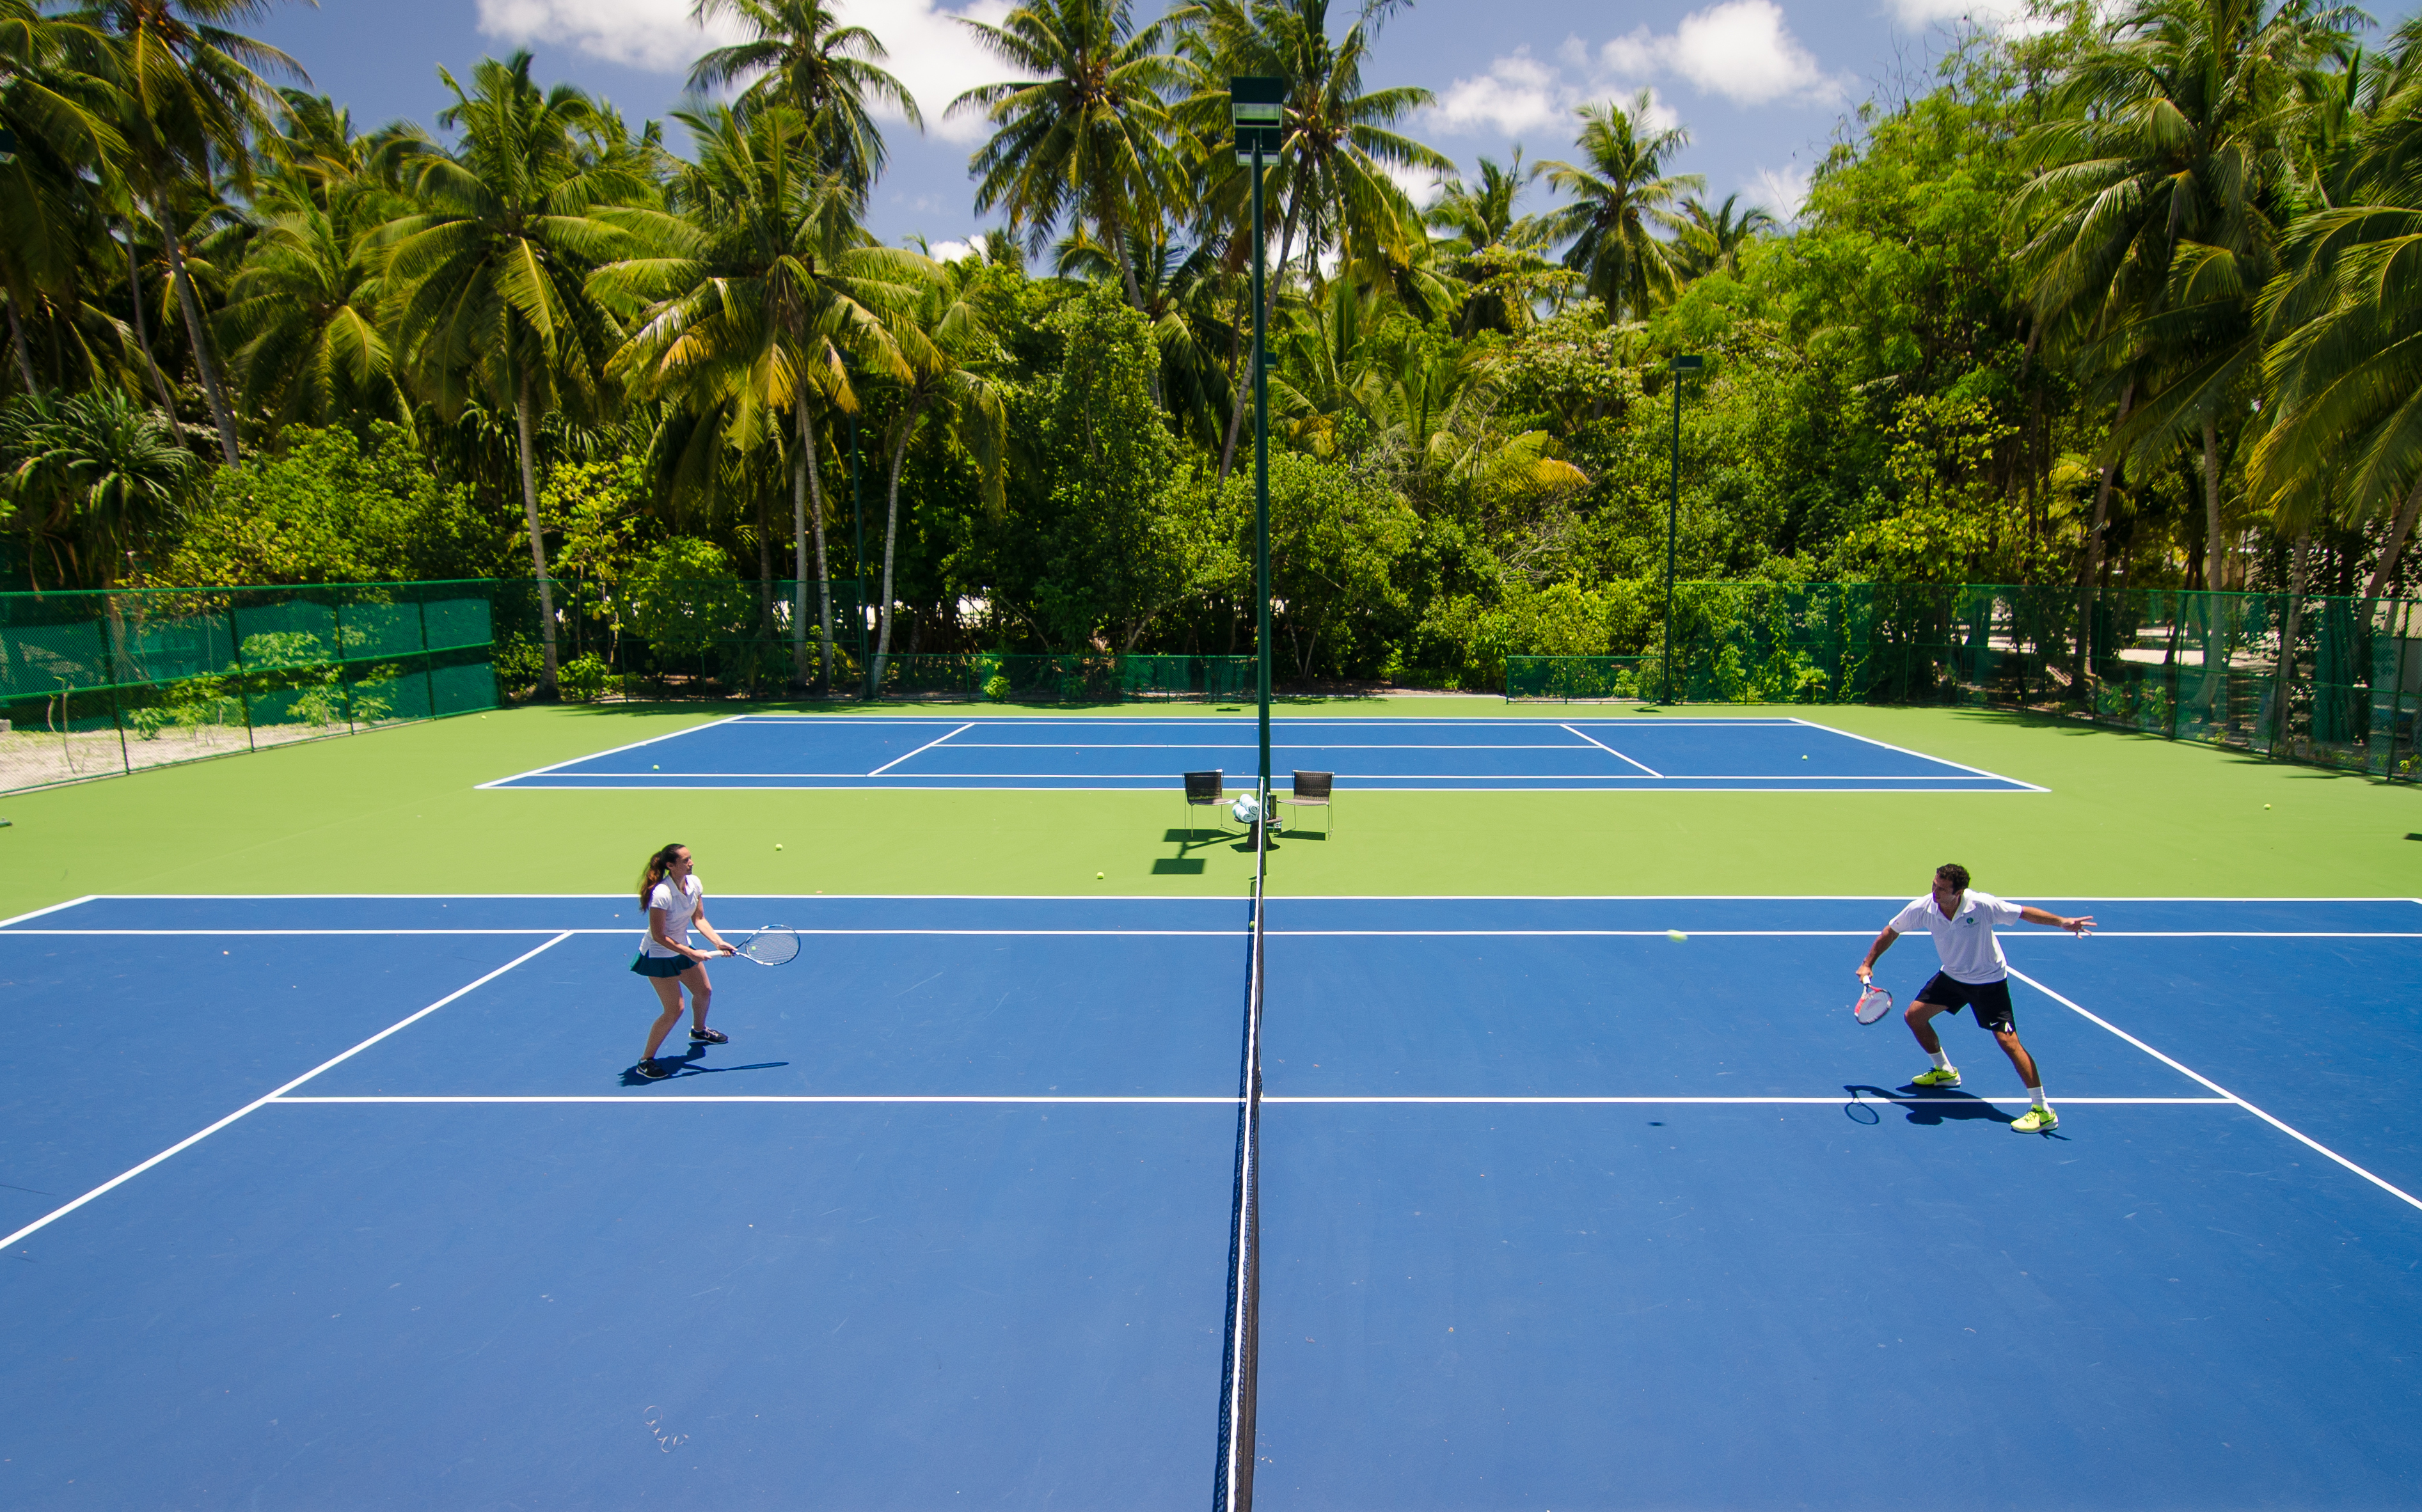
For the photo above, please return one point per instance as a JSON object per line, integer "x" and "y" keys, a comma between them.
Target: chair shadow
{"x": 688, "y": 1066}
{"x": 1929, "y": 1105}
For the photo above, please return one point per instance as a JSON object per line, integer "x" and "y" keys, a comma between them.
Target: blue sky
{"x": 1761, "y": 85}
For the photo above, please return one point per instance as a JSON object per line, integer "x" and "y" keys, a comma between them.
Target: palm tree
{"x": 1710, "y": 240}
{"x": 952, "y": 350}
{"x": 1485, "y": 241}
{"x": 1338, "y": 145}
{"x": 57, "y": 118}
{"x": 486, "y": 289}
{"x": 93, "y": 478}
{"x": 303, "y": 308}
{"x": 2346, "y": 326}
{"x": 765, "y": 297}
{"x": 2155, "y": 203}
{"x": 193, "y": 95}
{"x": 804, "y": 57}
{"x": 1189, "y": 294}
{"x": 1621, "y": 196}
{"x": 1079, "y": 136}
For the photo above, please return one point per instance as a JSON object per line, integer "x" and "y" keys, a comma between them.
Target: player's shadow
{"x": 688, "y": 1066}
{"x": 1923, "y": 1104}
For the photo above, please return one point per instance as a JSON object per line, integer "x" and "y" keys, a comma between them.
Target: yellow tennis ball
{"x": 1676, "y": 934}
{"x": 1098, "y": 876}
{"x": 778, "y": 845}
{"x": 2266, "y": 805}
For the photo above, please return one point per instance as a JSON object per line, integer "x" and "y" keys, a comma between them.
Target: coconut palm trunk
{"x": 808, "y": 520}
{"x": 2092, "y": 567}
{"x": 2213, "y": 694}
{"x": 891, "y": 532}
{"x": 537, "y": 538}
{"x": 143, "y": 326}
{"x": 195, "y": 332}
{"x": 24, "y": 354}
{"x": 2398, "y": 528}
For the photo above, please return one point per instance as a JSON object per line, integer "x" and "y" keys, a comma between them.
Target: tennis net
{"x": 1232, "y": 1489}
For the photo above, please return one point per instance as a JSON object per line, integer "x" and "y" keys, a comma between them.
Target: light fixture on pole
{"x": 1674, "y": 513}
{"x": 1257, "y": 107}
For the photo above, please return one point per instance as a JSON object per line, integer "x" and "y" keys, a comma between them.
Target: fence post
{"x": 428, "y": 662}
{"x": 344, "y": 686}
{"x": 243, "y": 696}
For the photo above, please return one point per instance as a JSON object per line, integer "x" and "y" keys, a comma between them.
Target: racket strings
{"x": 770, "y": 946}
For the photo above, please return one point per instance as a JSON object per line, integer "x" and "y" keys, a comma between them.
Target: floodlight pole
{"x": 1261, "y": 486}
{"x": 1674, "y": 514}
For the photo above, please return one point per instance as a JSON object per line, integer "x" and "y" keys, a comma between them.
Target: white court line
{"x": 1618, "y": 755}
{"x": 1363, "y": 723}
{"x": 638, "y": 1099}
{"x": 1164, "y": 898}
{"x": 1159, "y": 781}
{"x": 595, "y": 755}
{"x": 1221, "y": 934}
{"x": 52, "y": 909}
{"x": 921, "y": 750}
{"x": 191, "y": 1139}
{"x": 2395, "y": 1191}
{"x": 624, "y": 929}
{"x": 1919, "y": 754}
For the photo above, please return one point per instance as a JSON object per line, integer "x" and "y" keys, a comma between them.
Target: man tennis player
{"x": 1974, "y": 974}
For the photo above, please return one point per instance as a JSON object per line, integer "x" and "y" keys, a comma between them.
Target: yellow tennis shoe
{"x": 1945, "y": 1076}
{"x": 2036, "y": 1121}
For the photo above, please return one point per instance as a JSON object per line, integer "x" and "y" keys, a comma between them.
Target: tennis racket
{"x": 1872, "y": 1005}
{"x": 770, "y": 946}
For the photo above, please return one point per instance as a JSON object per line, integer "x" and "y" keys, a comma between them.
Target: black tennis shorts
{"x": 1991, "y": 1000}
{"x": 661, "y": 966}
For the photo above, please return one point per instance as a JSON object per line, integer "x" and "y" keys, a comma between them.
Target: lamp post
{"x": 1674, "y": 513}
{"x": 1257, "y": 107}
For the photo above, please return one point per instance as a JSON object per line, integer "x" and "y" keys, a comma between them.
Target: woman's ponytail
{"x": 658, "y": 864}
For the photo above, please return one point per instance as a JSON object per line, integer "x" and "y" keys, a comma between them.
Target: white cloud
{"x": 1518, "y": 93}
{"x": 1781, "y": 191}
{"x": 931, "y": 53}
{"x": 1740, "y": 49}
{"x": 950, "y": 251}
{"x": 2010, "y": 18}
{"x": 1423, "y": 186}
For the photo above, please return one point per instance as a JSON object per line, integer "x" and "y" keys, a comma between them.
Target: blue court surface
{"x": 348, "y": 1201}
{"x": 1506, "y": 755}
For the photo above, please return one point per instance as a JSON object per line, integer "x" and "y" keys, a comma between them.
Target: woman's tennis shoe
{"x": 2036, "y": 1121}
{"x": 650, "y": 1070}
{"x": 1945, "y": 1075}
{"x": 709, "y": 1036}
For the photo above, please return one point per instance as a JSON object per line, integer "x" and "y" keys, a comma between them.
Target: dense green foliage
{"x": 2124, "y": 302}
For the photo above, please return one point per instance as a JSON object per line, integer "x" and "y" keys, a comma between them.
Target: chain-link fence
{"x": 92, "y": 684}
{"x": 2334, "y": 681}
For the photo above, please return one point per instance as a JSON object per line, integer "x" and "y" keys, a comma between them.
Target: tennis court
{"x": 1645, "y": 753}
{"x": 1555, "y": 1211}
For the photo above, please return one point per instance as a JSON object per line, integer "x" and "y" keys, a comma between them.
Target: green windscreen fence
{"x": 2334, "y": 681}
{"x": 96, "y": 684}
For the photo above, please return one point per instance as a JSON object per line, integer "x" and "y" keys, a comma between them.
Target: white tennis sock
{"x": 2037, "y": 1093}
{"x": 1941, "y": 1062}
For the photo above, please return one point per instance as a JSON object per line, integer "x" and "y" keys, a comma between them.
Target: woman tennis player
{"x": 670, "y": 892}
{"x": 1974, "y": 974}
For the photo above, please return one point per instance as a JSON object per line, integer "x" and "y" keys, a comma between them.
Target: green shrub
{"x": 582, "y": 678}
{"x": 996, "y": 687}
